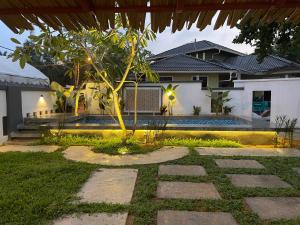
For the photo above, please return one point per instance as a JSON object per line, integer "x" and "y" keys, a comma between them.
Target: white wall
{"x": 187, "y": 95}
{"x": 36, "y": 101}
{"x": 2, "y": 114}
{"x": 285, "y": 96}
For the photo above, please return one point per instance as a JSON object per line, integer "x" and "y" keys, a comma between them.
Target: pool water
{"x": 170, "y": 121}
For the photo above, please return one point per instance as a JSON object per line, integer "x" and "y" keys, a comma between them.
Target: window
{"x": 200, "y": 78}
{"x": 165, "y": 78}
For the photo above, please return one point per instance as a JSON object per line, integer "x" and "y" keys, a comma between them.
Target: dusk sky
{"x": 165, "y": 40}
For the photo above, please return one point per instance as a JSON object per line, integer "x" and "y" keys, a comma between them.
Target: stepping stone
{"x": 93, "y": 219}
{"x": 181, "y": 170}
{"x": 187, "y": 190}
{"x": 264, "y": 181}
{"x": 240, "y": 163}
{"x": 28, "y": 148}
{"x": 169, "y": 217}
{"x": 275, "y": 208}
{"x": 297, "y": 170}
{"x": 109, "y": 186}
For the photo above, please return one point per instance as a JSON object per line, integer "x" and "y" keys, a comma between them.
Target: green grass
{"x": 133, "y": 146}
{"x": 36, "y": 188}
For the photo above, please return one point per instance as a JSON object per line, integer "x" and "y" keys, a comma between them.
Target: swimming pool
{"x": 170, "y": 121}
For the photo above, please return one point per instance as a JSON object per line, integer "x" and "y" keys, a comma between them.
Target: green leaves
{"x": 15, "y": 41}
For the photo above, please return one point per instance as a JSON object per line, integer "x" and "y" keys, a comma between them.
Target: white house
{"x": 265, "y": 89}
{"x": 23, "y": 92}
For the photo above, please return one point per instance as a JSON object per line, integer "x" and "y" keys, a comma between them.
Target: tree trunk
{"x": 76, "y": 103}
{"x": 118, "y": 112}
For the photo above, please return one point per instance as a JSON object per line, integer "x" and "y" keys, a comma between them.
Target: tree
{"x": 282, "y": 39}
{"x": 112, "y": 54}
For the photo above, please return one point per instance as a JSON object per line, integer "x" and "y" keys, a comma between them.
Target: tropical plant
{"x": 218, "y": 100}
{"x": 171, "y": 95}
{"x": 286, "y": 125}
{"x": 196, "y": 110}
{"x": 112, "y": 54}
{"x": 163, "y": 110}
{"x": 290, "y": 125}
{"x": 62, "y": 96}
{"x": 227, "y": 109}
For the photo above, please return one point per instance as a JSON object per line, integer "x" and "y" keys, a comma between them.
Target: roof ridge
{"x": 283, "y": 59}
{"x": 202, "y": 60}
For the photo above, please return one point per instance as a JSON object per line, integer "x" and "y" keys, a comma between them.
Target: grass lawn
{"x": 35, "y": 188}
{"x": 114, "y": 146}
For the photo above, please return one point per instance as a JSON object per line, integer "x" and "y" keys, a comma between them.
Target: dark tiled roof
{"x": 249, "y": 63}
{"x": 186, "y": 63}
{"x": 194, "y": 47}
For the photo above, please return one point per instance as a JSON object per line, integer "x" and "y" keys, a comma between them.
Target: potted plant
{"x": 227, "y": 109}
{"x": 163, "y": 110}
{"x": 196, "y": 110}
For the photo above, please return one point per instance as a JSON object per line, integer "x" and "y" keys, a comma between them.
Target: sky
{"x": 164, "y": 41}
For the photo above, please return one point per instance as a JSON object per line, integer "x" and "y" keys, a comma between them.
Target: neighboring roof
{"x": 11, "y": 72}
{"x": 270, "y": 63}
{"x": 75, "y": 14}
{"x": 184, "y": 63}
{"x": 195, "y": 46}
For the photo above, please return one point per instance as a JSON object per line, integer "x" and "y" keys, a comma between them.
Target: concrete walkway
{"x": 285, "y": 152}
{"x": 28, "y": 148}
{"x": 85, "y": 154}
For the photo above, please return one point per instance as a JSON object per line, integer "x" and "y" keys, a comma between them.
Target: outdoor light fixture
{"x": 169, "y": 93}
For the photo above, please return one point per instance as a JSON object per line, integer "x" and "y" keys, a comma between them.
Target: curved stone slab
{"x": 85, "y": 154}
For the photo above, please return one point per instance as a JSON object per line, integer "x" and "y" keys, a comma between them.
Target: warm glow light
{"x": 169, "y": 93}
{"x": 89, "y": 59}
{"x": 244, "y": 137}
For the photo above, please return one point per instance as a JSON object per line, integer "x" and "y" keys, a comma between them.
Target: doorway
{"x": 261, "y": 103}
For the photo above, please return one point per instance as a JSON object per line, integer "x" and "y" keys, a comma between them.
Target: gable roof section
{"x": 270, "y": 63}
{"x": 184, "y": 63}
{"x": 11, "y": 72}
{"x": 194, "y": 47}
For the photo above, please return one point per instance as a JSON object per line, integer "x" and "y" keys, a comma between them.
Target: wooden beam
{"x": 161, "y": 8}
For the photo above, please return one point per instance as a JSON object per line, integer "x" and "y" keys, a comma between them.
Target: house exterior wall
{"x": 188, "y": 95}
{"x": 285, "y": 97}
{"x": 212, "y": 78}
{"x": 3, "y": 113}
{"x": 36, "y": 101}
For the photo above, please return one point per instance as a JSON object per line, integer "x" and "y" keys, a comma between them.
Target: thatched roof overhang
{"x": 100, "y": 14}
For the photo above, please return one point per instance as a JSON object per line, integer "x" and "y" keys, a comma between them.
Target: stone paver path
{"x": 297, "y": 169}
{"x": 109, "y": 186}
{"x": 275, "y": 208}
{"x": 85, "y": 154}
{"x": 187, "y": 190}
{"x": 181, "y": 170}
{"x": 93, "y": 219}
{"x": 169, "y": 217}
{"x": 287, "y": 152}
{"x": 264, "y": 181}
{"x": 28, "y": 148}
{"x": 239, "y": 163}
